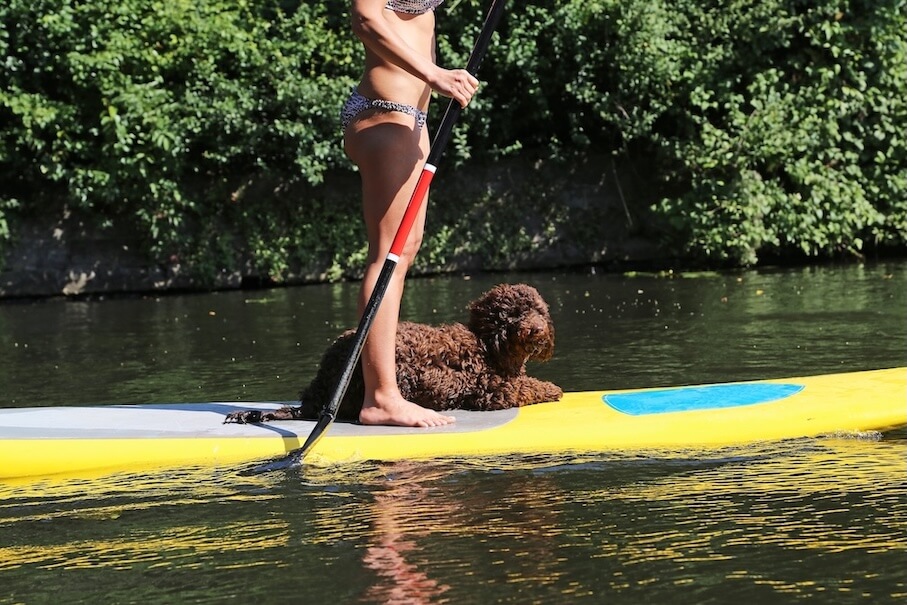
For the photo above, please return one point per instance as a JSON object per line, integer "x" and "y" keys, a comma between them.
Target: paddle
{"x": 390, "y": 264}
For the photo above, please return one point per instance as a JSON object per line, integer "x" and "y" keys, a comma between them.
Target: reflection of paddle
{"x": 412, "y": 210}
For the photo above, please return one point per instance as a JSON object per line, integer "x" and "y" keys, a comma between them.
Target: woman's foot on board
{"x": 397, "y": 411}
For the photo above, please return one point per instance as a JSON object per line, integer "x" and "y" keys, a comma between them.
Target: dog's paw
{"x": 553, "y": 392}
{"x": 244, "y": 417}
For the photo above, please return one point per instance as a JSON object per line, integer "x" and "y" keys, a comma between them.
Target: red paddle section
{"x": 412, "y": 211}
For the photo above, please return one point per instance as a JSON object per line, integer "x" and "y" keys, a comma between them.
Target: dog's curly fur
{"x": 481, "y": 366}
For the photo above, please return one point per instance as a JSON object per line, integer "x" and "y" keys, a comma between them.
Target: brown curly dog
{"x": 479, "y": 367}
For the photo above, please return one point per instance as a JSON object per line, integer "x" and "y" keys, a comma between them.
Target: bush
{"x": 155, "y": 116}
{"x": 209, "y": 127}
{"x": 776, "y": 126}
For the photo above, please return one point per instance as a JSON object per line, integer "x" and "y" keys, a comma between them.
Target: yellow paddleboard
{"x": 83, "y": 441}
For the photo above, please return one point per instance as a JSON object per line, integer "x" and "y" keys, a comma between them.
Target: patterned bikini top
{"x": 412, "y": 7}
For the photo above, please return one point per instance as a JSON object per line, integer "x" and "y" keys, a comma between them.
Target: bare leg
{"x": 389, "y": 154}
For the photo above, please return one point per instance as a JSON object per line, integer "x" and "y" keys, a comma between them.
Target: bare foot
{"x": 400, "y": 412}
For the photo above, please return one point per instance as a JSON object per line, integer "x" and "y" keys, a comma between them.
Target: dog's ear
{"x": 487, "y": 315}
{"x": 489, "y": 320}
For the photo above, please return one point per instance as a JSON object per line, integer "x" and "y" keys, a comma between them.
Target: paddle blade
{"x": 282, "y": 464}
{"x": 324, "y": 421}
{"x": 293, "y": 459}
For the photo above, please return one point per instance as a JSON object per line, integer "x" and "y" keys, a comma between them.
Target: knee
{"x": 411, "y": 248}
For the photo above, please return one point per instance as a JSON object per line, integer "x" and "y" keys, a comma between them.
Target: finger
{"x": 470, "y": 84}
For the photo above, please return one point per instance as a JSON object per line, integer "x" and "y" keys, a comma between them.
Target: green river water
{"x": 809, "y": 520}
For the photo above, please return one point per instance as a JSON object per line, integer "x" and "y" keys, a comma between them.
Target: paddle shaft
{"x": 442, "y": 136}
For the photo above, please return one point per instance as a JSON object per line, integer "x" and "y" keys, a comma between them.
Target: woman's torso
{"x": 383, "y": 80}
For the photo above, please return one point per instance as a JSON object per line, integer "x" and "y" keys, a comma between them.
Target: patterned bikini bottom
{"x": 356, "y": 104}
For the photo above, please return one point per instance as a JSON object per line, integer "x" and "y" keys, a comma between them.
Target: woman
{"x": 385, "y": 136}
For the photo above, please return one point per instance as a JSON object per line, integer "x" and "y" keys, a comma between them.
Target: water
{"x": 821, "y": 519}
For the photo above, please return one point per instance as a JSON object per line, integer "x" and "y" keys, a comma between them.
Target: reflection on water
{"x": 822, "y": 519}
{"x": 404, "y": 510}
{"x": 800, "y": 519}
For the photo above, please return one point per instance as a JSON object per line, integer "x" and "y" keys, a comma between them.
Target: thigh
{"x": 389, "y": 153}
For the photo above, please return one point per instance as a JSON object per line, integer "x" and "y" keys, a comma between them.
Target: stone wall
{"x": 64, "y": 255}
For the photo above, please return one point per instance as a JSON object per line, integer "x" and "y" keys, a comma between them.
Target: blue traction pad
{"x": 685, "y": 399}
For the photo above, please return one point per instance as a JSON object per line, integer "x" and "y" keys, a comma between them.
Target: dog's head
{"x": 513, "y": 322}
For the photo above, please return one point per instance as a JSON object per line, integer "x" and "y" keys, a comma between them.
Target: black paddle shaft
{"x": 442, "y": 136}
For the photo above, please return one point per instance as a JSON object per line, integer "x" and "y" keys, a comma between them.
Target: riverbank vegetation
{"x": 207, "y": 129}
